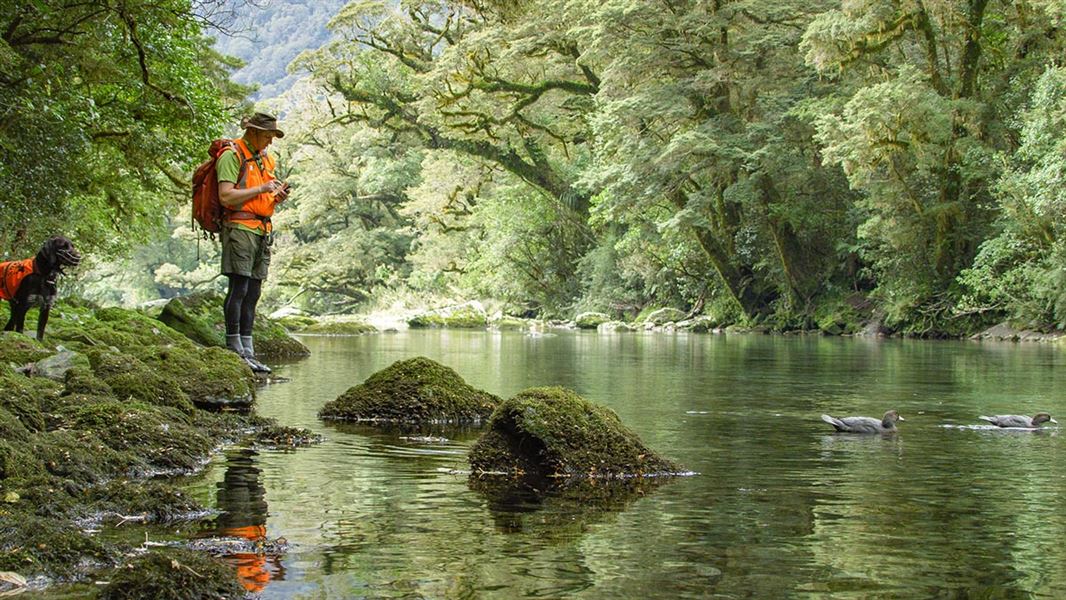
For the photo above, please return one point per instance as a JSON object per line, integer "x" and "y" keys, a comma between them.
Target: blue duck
{"x": 1019, "y": 420}
{"x": 865, "y": 424}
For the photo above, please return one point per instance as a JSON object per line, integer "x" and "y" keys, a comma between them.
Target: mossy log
{"x": 552, "y": 432}
{"x": 417, "y": 390}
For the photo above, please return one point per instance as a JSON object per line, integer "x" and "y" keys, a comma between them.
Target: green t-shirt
{"x": 228, "y": 167}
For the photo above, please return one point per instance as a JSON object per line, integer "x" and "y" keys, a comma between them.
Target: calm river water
{"x": 780, "y": 508}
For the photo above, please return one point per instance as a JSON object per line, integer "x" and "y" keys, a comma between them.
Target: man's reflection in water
{"x": 242, "y": 500}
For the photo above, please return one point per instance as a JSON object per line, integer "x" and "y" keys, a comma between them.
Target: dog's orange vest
{"x": 254, "y": 175}
{"x": 11, "y": 276}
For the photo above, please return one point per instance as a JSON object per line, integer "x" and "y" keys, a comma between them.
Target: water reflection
{"x": 783, "y": 508}
{"x": 241, "y": 498}
{"x": 560, "y": 510}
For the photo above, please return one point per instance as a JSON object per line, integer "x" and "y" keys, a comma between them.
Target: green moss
{"x": 83, "y": 381}
{"x": 659, "y": 316}
{"x": 155, "y": 501}
{"x": 17, "y": 462}
{"x": 33, "y": 544}
{"x": 510, "y": 324}
{"x": 160, "y": 436}
{"x": 199, "y": 317}
{"x": 553, "y": 432}
{"x": 16, "y": 349}
{"x": 80, "y": 458}
{"x": 590, "y": 320}
{"x": 210, "y": 377}
{"x": 11, "y": 427}
{"x": 193, "y": 316}
{"x": 418, "y": 390}
{"x": 340, "y": 328}
{"x": 131, "y": 379}
{"x": 22, "y": 397}
{"x": 464, "y": 317}
{"x": 277, "y": 436}
{"x": 173, "y": 574}
{"x": 297, "y": 322}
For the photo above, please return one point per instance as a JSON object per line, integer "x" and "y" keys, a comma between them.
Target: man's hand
{"x": 281, "y": 191}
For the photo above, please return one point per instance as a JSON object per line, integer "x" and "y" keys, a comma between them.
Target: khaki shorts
{"x": 244, "y": 253}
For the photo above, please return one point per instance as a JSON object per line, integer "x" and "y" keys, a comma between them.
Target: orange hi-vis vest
{"x": 254, "y": 174}
{"x": 11, "y": 276}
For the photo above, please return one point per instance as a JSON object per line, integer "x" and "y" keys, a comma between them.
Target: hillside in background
{"x": 268, "y": 34}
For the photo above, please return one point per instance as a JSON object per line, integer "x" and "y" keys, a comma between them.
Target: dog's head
{"x": 57, "y": 253}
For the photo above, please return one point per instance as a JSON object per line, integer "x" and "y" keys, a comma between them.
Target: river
{"x": 780, "y": 506}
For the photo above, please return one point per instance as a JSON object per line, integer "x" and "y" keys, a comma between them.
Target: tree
{"x": 106, "y": 106}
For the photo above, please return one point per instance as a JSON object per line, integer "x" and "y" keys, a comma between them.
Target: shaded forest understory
{"x": 777, "y": 164}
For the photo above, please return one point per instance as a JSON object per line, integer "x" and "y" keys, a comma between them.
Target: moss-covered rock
{"x": 130, "y": 379}
{"x": 591, "y": 320}
{"x": 211, "y": 377}
{"x": 277, "y": 436}
{"x": 296, "y": 323}
{"x": 661, "y": 316}
{"x": 417, "y": 390}
{"x": 505, "y": 323}
{"x": 18, "y": 350}
{"x": 199, "y": 317}
{"x": 34, "y": 544}
{"x": 614, "y": 327}
{"x": 346, "y": 327}
{"x": 174, "y": 574}
{"x": 553, "y": 432}
{"x": 465, "y": 316}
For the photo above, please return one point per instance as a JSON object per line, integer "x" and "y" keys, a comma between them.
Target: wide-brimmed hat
{"x": 264, "y": 122}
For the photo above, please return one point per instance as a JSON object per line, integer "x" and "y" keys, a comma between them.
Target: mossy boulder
{"x": 553, "y": 432}
{"x": 661, "y": 316}
{"x": 199, "y": 317}
{"x": 296, "y": 323}
{"x": 339, "y": 327}
{"x": 614, "y": 327}
{"x": 464, "y": 316}
{"x": 17, "y": 350}
{"x": 174, "y": 574}
{"x": 417, "y": 390}
{"x": 505, "y": 323}
{"x": 591, "y": 320}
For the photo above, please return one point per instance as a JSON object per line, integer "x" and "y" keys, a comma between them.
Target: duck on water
{"x": 886, "y": 424}
{"x": 1019, "y": 420}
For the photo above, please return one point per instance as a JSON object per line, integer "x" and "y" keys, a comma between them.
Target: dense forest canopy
{"x": 786, "y": 163}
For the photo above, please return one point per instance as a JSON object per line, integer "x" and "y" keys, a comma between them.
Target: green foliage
{"x": 106, "y": 106}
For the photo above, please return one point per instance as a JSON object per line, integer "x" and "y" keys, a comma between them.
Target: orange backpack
{"x": 206, "y": 208}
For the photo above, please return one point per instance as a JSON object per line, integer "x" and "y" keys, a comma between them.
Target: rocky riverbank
{"x": 95, "y": 424}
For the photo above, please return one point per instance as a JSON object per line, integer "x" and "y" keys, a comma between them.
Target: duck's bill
{"x": 899, "y": 418}
{"x": 1054, "y": 421}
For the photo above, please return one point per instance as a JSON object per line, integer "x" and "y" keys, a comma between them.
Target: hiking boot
{"x": 255, "y": 365}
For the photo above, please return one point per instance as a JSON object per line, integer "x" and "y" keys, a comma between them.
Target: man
{"x": 248, "y": 192}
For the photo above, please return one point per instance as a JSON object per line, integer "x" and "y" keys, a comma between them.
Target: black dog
{"x": 23, "y": 280}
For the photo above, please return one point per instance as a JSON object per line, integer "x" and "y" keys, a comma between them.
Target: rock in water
{"x": 417, "y": 390}
{"x": 553, "y": 432}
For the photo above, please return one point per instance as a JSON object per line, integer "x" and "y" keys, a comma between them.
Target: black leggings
{"x": 241, "y": 299}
